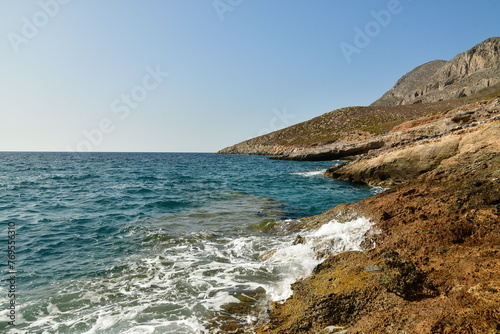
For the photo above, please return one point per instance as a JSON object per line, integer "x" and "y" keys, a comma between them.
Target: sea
{"x": 157, "y": 242}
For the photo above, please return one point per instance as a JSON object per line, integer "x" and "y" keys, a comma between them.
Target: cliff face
{"x": 410, "y": 83}
{"x": 467, "y": 73}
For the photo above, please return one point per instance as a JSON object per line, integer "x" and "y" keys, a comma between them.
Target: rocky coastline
{"x": 431, "y": 261}
{"x": 435, "y": 265}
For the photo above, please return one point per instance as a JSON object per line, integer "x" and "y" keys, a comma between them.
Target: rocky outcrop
{"x": 334, "y": 151}
{"x": 467, "y": 73}
{"x": 435, "y": 265}
{"x": 250, "y": 147}
{"x": 422, "y": 145}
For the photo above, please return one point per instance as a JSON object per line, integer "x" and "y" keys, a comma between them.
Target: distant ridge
{"x": 467, "y": 73}
{"x": 430, "y": 89}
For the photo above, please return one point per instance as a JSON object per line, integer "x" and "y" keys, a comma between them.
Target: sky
{"x": 200, "y": 75}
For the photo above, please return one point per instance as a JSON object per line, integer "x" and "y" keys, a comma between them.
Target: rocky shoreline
{"x": 435, "y": 265}
{"x": 431, "y": 261}
{"x": 419, "y": 146}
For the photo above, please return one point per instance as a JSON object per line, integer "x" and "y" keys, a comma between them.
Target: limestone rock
{"x": 412, "y": 151}
{"x": 464, "y": 75}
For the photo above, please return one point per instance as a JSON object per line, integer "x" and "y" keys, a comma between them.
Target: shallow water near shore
{"x": 154, "y": 242}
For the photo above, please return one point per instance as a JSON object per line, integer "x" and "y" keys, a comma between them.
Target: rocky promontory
{"x": 346, "y": 132}
{"x": 431, "y": 89}
{"x": 434, "y": 268}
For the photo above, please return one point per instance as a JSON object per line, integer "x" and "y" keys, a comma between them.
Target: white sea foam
{"x": 377, "y": 189}
{"x": 311, "y": 173}
{"x": 174, "y": 287}
{"x": 140, "y": 330}
{"x": 298, "y": 261}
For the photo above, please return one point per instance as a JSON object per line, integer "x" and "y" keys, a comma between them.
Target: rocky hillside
{"x": 443, "y": 85}
{"x": 346, "y": 132}
{"x": 464, "y": 75}
{"x": 345, "y": 125}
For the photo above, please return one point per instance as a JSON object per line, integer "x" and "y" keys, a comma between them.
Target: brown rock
{"x": 438, "y": 254}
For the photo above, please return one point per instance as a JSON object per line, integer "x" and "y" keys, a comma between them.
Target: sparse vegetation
{"x": 356, "y": 123}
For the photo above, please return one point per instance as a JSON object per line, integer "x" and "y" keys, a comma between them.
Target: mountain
{"x": 467, "y": 73}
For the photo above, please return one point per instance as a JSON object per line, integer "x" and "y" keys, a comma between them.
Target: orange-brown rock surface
{"x": 436, "y": 264}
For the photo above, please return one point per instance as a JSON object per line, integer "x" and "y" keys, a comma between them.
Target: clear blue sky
{"x": 200, "y": 75}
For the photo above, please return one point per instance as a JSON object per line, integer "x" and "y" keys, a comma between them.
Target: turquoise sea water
{"x": 148, "y": 243}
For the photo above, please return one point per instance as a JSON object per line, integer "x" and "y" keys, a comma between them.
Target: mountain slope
{"x": 469, "y": 77}
{"x": 338, "y": 128}
{"x": 465, "y": 74}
